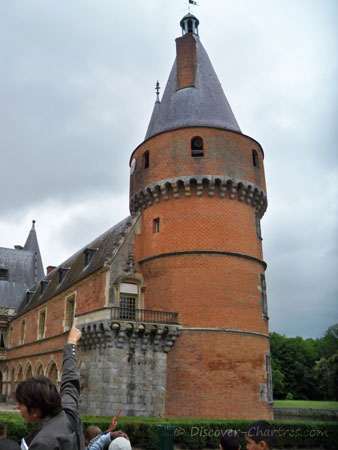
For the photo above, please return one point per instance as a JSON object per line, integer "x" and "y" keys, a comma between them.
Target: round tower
{"x": 199, "y": 184}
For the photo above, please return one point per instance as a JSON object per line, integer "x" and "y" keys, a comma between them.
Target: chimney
{"x": 50, "y": 268}
{"x": 186, "y": 61}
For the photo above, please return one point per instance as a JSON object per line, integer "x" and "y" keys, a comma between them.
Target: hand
{"x": 74, "y": 334}
{"x": 117, "y": 434}
{"x": 112, "y": 425}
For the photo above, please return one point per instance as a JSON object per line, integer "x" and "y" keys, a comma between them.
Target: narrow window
{"x": 264, "y": 297}
{"x": 255, "y": 159}
{"x": 3, "y": 274}
{"x": 89, "y": 254}
{"x": 146, "y": 160}
{"x": 258, "y": 226}
{"x": 29, "y": 295}
{"x": 128, "y": 301}
{"x": 3, "y": 332}
{"x": 189, "y": 26}
{"x": 22, "y": 331}
{"x": 69, "y": 313}
{"x": 268, "y": 378}
{"x": 42, "y": 324}
{"x": 156, "y": 225}
{"x": 197, "y": 147}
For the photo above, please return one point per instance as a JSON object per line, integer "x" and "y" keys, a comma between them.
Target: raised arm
{"x": 70, "y": 382}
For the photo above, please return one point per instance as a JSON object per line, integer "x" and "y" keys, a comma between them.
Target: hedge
{"x": 199, "y": 434}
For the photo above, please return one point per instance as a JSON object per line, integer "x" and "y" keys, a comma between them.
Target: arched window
{"x": 39, "y": 370}
{"x": 197, "y": 146}
{"x": 146, "y": 160}
{"x": 255, "y": 159}
{"x": 52, "y": 372}
{"x": 128, "y": 301}
{"x": 28, "y": 371}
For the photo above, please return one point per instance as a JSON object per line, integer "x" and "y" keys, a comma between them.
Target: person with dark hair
{"x": 6, "y": 444}
{"x": 230, "y": 440}
{"x": 59, "y": 423}
{"x": 260, "y": 435}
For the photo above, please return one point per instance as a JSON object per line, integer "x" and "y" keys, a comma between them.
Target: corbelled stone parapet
{"x": 128, "y": 335}
{"x": 199, "y": 185}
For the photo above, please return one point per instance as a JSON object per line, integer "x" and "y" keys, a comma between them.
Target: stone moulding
{"x": 129, "y": 335}
{"x": 210, "y": 185}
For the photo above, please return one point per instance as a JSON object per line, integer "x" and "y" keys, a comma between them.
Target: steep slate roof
{"x": 202, "y": 105}
{"x": 21, "y": 270}
{"x": 33, "y": 246}
{"x": 107, "y": 246}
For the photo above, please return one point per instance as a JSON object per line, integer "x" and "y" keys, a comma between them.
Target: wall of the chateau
{"x": 218, "y": 374}
{"x": 199, "y": 223}
{"x": 226, "y": 153}
{"x": 125, "y": 368}
{"x": 35, "y": 352}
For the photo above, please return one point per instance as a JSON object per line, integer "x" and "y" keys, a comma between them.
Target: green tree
{"x": 326, "y": 375}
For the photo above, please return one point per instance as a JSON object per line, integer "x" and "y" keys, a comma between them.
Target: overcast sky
{"x": 77, "y": 92}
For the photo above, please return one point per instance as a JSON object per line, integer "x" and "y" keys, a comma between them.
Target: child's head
{"x": 230, "y": 440}
{"x": 91, "y": 432}
{"x": 260, "y": 435}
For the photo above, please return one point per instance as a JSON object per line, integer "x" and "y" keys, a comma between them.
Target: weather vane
{"x": 191, "y": 2}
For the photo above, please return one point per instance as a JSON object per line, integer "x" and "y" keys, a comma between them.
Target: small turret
{"x": 189, "y": 24}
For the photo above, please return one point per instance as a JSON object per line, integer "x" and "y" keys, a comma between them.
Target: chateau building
{"x": 172, "y": 300}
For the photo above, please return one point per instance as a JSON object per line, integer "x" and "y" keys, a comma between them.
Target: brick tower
{"x": 198, "y": 183}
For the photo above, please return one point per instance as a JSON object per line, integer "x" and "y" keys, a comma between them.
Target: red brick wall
{"x": 226, "y": 153}
{"x": 217, "y": 375}
{"x": 90, "y": 295}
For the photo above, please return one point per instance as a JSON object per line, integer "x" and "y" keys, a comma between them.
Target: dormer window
{"x": 197, "y": 146}
{"x": 62, "y": 273}
{"x": 255, "y": 160}
{"x": 29, "y": 295}
{"x": 89, "y": 255}
{"x": 44, "y": 284}
{"x": 3, "y": 274}
{"x": 146, "y": 160}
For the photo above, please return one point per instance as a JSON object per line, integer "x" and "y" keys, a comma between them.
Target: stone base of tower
{"x": 218, "y": 374}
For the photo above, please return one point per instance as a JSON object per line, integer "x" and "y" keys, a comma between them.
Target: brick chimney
{"x": 50, "y": 268}
{"x": 186, "y": 61}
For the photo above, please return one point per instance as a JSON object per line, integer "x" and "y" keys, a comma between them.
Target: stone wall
{"x": 125, "y": 367}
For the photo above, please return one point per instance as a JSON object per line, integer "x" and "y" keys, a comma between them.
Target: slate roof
{"x": 106, "y": 245}
{"x": 33, "y": 246}
{"x": 24, "y": 268}
{"x": 21, "y": 275}
{"x": 202, "y": 105}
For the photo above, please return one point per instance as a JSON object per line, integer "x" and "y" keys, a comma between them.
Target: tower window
{"x": 156, "y": 225}
{"x": 268, "y": 371}
{"x": 197, "y": 147}
{"x": 255, "y": 159}
{"x": 258, "y": 226}
{"x": 264, "y": 297}
{"x": 3, "y": 274}
{"x": 146, "y": 160}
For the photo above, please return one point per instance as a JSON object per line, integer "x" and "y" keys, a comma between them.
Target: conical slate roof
{"x": 33, "y": 246}
{"x": 202, "y": 105}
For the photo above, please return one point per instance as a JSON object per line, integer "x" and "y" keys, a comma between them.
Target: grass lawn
{"x": 304, "y": 404}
